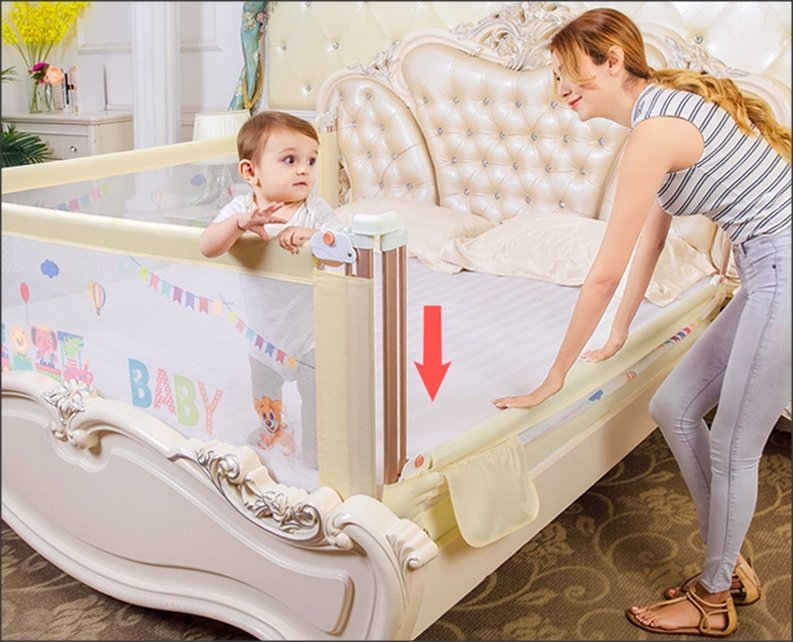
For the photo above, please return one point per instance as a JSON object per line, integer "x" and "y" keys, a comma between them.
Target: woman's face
{"x": 589, "y": 98}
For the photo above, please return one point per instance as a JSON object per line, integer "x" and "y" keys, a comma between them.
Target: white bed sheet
{"x": 500, "y": 336}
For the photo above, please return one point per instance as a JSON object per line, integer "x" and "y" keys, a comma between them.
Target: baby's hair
{"x": 254, "y": 133}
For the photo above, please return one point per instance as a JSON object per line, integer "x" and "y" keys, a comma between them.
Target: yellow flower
{"x": 33, "y": 28}
{"x": 9, "y": 35}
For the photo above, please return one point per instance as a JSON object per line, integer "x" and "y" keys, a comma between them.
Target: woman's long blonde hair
{"x": 596, "y": 31}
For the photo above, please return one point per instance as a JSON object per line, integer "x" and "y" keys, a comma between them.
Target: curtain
{"x": 249, "y": 86}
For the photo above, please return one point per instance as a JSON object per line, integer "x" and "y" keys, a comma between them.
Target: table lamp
{"x": 218, "y": 124}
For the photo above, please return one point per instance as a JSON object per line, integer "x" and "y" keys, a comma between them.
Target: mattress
{"x": 500, "y": 335}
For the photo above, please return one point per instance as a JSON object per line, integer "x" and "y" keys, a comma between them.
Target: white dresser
{"x": 71, "y": 135}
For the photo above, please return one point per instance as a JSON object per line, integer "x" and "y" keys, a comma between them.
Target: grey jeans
{"x": 742, "y": 362}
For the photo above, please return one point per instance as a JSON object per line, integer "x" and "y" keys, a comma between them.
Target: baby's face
{"x": 286, "y": 168}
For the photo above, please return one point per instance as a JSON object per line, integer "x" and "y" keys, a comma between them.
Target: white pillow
{"x": 561, "y": 248}
{"x": 679, "y": 267}
{"x": 551, "y": 247}
{"x": 430, "y": 227}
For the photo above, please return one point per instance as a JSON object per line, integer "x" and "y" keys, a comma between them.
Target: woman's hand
{"x": 259, "y": 217}
{"x": 612, "y": 346}
{"x": 546, "y": 389}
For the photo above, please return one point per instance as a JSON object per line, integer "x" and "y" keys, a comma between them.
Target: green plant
{"x": 9, "y": 73}
{"x": 20, "y": 148}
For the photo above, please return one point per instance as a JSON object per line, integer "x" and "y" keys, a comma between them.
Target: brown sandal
{"x": 749, "y": 591}
{"x": 706, "y": 610}
{"x": 745, "y": 590}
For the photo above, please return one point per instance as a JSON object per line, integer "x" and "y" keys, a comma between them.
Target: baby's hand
{"x": 256, "y": 219}
{"x": 292, "y": 237}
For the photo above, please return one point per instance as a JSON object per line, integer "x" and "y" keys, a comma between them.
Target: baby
{"x": 277, "y": 158}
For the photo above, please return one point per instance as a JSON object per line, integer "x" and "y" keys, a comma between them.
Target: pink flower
{"x": 53, "y": 75}
{"x": 38, "y": 71}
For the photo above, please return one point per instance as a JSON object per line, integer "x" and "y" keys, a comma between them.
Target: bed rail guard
{"x": 356, "y": 247}
{"x": 392, "y": 238}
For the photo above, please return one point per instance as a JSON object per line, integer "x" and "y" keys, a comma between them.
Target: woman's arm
{"x": 656, "y": 146}
{"x": 648, "y": 249}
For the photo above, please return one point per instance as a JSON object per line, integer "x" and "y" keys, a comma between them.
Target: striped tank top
{"x": 739, "y": 182}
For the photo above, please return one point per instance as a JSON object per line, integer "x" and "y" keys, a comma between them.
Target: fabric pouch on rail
{"x": 492, "y": 493}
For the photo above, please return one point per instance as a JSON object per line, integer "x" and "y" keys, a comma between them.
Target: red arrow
{"x": 432, "y": 371}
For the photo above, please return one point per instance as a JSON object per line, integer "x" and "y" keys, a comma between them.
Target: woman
{"x": 697, "y": 145}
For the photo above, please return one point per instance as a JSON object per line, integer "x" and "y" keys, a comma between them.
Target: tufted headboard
{"x": 468, "y": 119}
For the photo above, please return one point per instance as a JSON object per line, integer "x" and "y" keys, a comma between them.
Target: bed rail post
{"x": 403, "y": 398}
{"x": 394, "y": 359}
{"x": 393, "y": 237}
{"x": 329, "y": 183}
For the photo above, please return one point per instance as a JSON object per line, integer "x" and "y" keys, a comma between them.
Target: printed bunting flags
{"x": 187, "y": 299}
{"x": 85, "y": 200}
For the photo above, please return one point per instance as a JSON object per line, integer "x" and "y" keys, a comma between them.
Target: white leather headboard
{"x": 467, "y": 118}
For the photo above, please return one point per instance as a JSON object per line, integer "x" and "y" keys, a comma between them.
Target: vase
{"x": 42, "y": 99}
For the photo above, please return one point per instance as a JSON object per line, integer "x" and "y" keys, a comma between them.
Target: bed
{"x": 470, "y": 204}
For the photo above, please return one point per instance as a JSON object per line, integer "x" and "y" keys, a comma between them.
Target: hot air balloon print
{"x": 97, "y": 294}
{"x": 24, "y": 292}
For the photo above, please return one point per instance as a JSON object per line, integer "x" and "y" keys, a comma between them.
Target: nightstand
{"x": 71, "y": 135}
